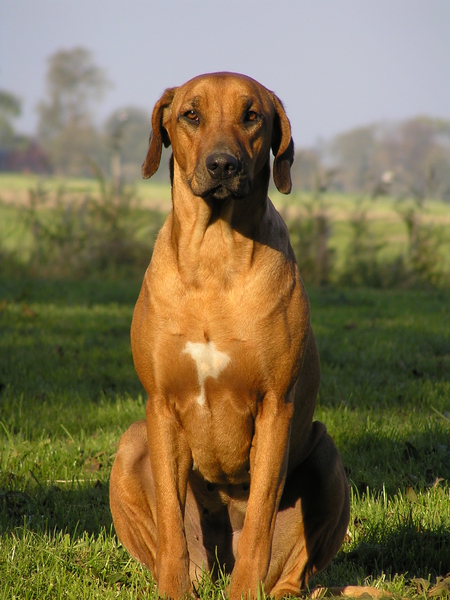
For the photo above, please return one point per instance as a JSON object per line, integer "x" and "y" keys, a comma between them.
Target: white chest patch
{"x": 209, "y": 361}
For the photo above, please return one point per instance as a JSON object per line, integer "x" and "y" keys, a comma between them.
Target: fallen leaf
{"x": 422, "y": 585}
{"x": 348, "y": 536}
{"x": 442, "y": 588}
{"x": 411, "y": 494}
{"x": 27, "y": 311}
{"x": 116, "y": 578}
{"x": 92, "y": 464}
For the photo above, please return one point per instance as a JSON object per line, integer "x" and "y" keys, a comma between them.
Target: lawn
{"x": 68, "y": 390}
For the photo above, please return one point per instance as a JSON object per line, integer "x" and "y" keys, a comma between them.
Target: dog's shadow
{"x": 74, "y": 509}
{"x": 84, "y": 510}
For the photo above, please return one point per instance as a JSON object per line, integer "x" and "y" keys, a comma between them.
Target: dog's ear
{"x": 282, "y": 148}
{"x": 158, "y": 136}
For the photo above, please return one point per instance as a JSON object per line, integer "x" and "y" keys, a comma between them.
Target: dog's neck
{"x": 214, "y": 239}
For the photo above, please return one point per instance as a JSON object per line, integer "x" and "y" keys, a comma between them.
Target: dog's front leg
{"x": 268, "y": 465}
{"x": 171, "y": 461}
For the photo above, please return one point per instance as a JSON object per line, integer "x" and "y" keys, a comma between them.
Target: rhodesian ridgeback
{"x": 228, "y": 470}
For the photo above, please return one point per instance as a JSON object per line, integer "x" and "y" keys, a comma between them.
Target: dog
{"x": 228, "y": 470}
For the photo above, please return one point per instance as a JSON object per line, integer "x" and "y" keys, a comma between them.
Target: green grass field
{"x": 68, "y": 390}
{"x": 14, "y": 188}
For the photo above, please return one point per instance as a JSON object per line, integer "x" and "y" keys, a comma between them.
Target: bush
{"x": 310, "y": 233}
{"x": 85, "y": 236}
{"x": 419, "y": 265}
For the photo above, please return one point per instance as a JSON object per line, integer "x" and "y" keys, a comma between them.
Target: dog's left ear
{"x": 282, "y": 148}
{"x": 158, "y": 136}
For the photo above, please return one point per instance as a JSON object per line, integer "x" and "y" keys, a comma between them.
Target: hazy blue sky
{"x": 336, "y": 64}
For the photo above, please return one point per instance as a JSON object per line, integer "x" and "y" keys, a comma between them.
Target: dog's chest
{"x": 213, "y": 391}
{"x": 212, "y": 355}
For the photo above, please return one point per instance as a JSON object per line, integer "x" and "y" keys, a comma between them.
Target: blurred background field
{"x": 71, "y": 228}
{"x": 370, "y": 206}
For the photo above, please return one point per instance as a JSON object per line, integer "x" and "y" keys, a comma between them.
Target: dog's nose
{"x": 222, "y": 165}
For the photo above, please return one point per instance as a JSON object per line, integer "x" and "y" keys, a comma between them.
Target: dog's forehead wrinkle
{"x": 250, "y": 102}
{"x": 193, "y": 102}
{"x": 226, "y": 90}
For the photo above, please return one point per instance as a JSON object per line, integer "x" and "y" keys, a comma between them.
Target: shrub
{"x": 84, "y": 236}
{"x": 310, "y": 232}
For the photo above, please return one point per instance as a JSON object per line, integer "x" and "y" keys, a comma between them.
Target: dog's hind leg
{"x": 312, "y": 520}
{"x": 132, "y": 496}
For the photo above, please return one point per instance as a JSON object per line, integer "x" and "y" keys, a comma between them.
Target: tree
{"x": 74, "y": 84}
{"x": 407, "y": 158}
{"x": 417, "y": 153}
{"x": 354, "y": 151}
{"x": 127, "y": 131}
{"x": 306, "y": 170}
{"x": 10, "y": 108}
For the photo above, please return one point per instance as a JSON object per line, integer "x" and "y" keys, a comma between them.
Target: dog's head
{"x": 222, "y": 127}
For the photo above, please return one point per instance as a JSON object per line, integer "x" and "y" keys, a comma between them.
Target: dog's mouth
{"x": 221, "y": 192}
{"x": 225, "y": 189}
{"x": 225, "y": 192}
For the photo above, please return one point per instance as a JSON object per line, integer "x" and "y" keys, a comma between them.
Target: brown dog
{"x": 228, "y": 467}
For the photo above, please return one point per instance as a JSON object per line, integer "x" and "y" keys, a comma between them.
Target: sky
{"x": 335, "y": 64}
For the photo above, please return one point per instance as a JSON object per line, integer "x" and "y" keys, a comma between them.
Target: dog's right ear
{"x": 158, "y": 136}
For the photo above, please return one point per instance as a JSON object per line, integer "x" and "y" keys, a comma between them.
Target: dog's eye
{"x": 251, "y": 116}
{"x": 192, "y": 116}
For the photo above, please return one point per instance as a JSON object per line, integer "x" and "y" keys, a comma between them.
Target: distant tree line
{"x": 407, "y": 158}
{"x": 67, "y": 139}
{"x": 411, "y": 158}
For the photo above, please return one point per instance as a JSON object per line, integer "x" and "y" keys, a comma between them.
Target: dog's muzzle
{"x": 222, "y": 176}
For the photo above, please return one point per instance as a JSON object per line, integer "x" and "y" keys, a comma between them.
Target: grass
{"x": 68, "y": 391}
{"x": 14, "y": 188}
